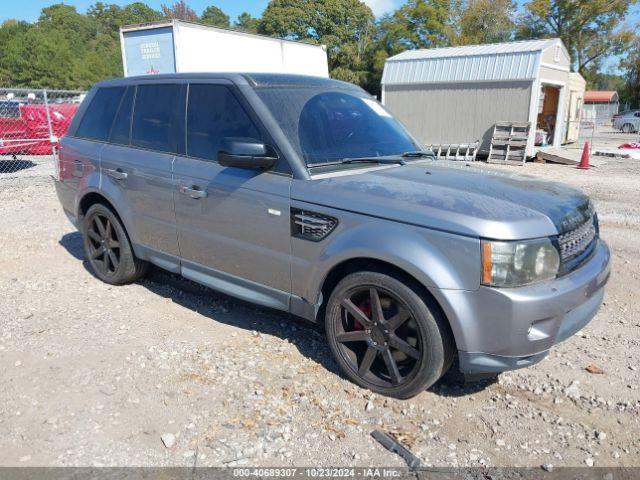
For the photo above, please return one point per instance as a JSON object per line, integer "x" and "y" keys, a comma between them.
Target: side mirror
{"x": 246, "y": 153}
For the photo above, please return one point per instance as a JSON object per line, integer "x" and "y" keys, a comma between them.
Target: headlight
{"x": 513, "y": 264}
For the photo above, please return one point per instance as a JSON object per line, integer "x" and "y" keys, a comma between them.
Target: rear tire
{"x": 386, "y": 335}
{"x": 107, "y": 247}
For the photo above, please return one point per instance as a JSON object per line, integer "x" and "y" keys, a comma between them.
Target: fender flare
{"x": 423, "y": 254}
{"x": 119, "y": 205}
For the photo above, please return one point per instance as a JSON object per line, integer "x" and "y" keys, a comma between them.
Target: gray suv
{"x": 305, "y": 195}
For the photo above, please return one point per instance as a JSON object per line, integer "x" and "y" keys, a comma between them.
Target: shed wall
{"x": 556, "y": 55}
{"x": 553, "y": 75}
{"x": 458, "y": 113}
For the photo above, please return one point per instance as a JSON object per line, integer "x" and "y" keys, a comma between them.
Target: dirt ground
{"x": 97, "y": 375}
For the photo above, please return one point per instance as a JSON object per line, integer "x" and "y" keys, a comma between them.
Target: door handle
{"x": 118, "y": 174}
{"x": 193, "y": 191}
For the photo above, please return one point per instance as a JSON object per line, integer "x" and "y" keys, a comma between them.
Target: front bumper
{"x": 498, "y": 329}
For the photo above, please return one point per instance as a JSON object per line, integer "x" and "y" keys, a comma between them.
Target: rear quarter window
{"x": 97, "y": 120}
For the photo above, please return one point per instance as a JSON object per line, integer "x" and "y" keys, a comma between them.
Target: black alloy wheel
{"x": 378, "y": 336}
{"x": 108, "y": 249}
{"x": 385, "y": 337}
{"x": 104, "y": 246}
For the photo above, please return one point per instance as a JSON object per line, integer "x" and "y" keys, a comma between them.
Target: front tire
{"x": 107, "y": 247}
{"x": 387, "y": 336}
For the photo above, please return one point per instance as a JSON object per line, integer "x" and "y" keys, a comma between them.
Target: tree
{"x": 590, "y": 29}
{"x": 180, "y": 11}
{"x": 630, "y": 65}
{"x": 246, "y": 23}
{"x": 213, "y": 15}
{"x": 418, "y": 24}
{"x": 77, "y": 29}
{"x": 109, "y": 18}
{"x": 344, "y": 26}
{"x": 35, "y": 57}
{"x": 486, "y": 21}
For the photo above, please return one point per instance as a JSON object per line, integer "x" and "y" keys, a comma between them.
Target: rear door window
{"x": 158, "y": 118}
{"x": 121, "y": 128}
{"x": 214, "y": 113}
{"x": 97, "y": 120}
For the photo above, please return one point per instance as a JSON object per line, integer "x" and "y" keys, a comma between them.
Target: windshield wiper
{"x": 419, "y": 154}
{"x": 395, "y": 159}
{"x": 392, "y": 160}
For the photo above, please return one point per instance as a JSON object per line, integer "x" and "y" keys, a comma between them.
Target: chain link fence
{"x": 31, "y": 123}
{"x": 606, "y": 135}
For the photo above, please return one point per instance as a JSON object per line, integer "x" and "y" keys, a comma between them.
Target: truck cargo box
{"x": 176, "y": 46}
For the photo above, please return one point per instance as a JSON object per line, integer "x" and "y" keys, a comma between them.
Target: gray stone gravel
{"x": 166, "y": 372}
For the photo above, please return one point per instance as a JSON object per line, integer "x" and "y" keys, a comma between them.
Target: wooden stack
{"x": 509, "y": 143}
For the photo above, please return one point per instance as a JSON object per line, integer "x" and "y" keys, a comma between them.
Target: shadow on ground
{"x": 13, "y": 165}
{"x": 307, "y": 337}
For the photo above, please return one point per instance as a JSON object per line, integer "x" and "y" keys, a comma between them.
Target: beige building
{"x": 457, "y": 94}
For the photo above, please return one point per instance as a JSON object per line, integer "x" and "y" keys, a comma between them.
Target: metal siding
{"x": 461, "y": 69}
{"x": 458, "y": 113}
{"x": 477, "y": 63}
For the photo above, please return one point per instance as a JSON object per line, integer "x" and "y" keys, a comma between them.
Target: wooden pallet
{"x": 509, "y": 143}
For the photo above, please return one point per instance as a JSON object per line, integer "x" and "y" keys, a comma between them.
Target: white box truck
{"x": 178, "y": 46}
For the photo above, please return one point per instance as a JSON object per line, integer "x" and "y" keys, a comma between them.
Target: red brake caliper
{"x": 365, "y": 307}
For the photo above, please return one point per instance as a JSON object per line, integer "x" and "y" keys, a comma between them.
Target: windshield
{"x": 326, "y": 125}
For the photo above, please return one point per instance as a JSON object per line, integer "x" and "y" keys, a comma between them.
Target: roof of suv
{"x": 258, "y": 80}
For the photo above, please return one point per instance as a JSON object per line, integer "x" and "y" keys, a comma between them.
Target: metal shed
{"x": 458, "y": 94}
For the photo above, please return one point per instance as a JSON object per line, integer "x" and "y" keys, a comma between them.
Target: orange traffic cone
{"x": 584, "y": 161}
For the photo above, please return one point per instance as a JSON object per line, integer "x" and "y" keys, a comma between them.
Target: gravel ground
{"x": 166, "y": 372}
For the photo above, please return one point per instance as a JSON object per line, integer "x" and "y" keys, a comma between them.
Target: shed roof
{"x": 601, "y": 96}
{"x": 491, "y": 62}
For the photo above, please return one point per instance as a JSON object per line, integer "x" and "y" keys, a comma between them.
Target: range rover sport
{"x": 306, "y": 195}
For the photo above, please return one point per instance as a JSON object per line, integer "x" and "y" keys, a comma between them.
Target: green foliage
{"x": 630, "y": 92}
{"x": 66, "y": 49}
{"x": 345, "y": 26}
{"x": 590, "y": 29}
{"x": 213, "y": 15}
{"x": 486, "y": 21}
{"x": 418, "y": 24}
{"x": 180, "y": 10}
{"x": 246, "y": 23}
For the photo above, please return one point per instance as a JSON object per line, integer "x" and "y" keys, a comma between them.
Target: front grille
{"x": 576, "y": 241}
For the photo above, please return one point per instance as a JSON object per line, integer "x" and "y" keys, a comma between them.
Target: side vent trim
{"x": 312, "y": 226}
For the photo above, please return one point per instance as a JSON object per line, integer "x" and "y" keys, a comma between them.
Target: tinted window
{"x": 98, "y": 118}
{"x": 328, "y": 125}
{"x": 158, "y": 118}
{"x": 214, "y": 113}
{"x": 122, "y": 123}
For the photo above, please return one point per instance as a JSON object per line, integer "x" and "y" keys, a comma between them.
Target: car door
{"x": 137, "y": 166}
{"x": 233, "y": 223}
{"x": 80, "y": 154}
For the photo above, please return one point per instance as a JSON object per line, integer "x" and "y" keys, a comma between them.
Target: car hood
{"x": 454, "y": 197}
